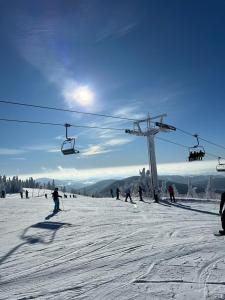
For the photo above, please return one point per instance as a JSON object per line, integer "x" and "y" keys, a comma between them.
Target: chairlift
{"x": 221, "y": 166}
{"x": 68, "y": 146}
{"x": 196, "y": 152}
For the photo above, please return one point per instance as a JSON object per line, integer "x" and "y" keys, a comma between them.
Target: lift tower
{"x": 152, "y": 128}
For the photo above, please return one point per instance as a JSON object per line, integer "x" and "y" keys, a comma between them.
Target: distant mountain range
{"x": 60, "y": 183}
{"x": 102, "y": 188}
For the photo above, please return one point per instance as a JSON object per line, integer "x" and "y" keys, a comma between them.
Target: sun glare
{"x": 83, "y": 96}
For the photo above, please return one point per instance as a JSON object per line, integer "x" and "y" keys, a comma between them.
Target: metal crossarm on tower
{"x": 150, "y": 131}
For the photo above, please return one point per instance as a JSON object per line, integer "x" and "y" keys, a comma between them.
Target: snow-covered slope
{"x": 108, "y": 249}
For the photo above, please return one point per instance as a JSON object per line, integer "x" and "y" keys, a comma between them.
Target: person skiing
{"x": 140, "y": 192}
{"x": 55, "y": 196}
{"x": 128, "y": 195}
{"x": 21, "y": 194}
{"x": 222, "y": 213}
{"x": 27, "y": 193}
{"x": 111, "y": 192}
{"x": 171, "y": 192}
{"x": 46, "y": 196}
{"x": 117, "y": 194}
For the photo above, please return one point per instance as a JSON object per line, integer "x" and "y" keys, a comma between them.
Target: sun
{"x": 83, "y": 95}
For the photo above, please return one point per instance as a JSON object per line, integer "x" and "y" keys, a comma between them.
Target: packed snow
{"x": 103, "y": 248}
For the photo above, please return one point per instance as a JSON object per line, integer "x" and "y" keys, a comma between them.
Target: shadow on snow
{"x": 187, "y": 207}
{"x": 29, "y": 239}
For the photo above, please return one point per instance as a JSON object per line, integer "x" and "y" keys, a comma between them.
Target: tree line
{"x": 16, "y": 185}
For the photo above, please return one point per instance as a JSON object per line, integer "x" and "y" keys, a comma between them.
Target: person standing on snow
{"x": 140, "y": 192}
{"x": 128, "y": 195}
{"x": 117, "y": 194}
{"x": 171, "y": 192}
{"x": 27, "y": 193}
{"x": 111, "y": 192}
{"x": 55, "y": 196}
{"x": 222, "y": 212}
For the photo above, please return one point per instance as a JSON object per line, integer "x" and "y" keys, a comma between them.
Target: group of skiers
{"x": 56, "y": 196}
{"x": 127, "y": 193}
{"x": 26, "y": 194}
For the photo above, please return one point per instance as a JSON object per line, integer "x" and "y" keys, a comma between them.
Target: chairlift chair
{"x": 68, "y": 146}
{"x": 196, "y": 152}
{"x": 221, "y": 166}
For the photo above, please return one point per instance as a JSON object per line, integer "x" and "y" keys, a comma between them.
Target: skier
{"x": 111, "y": 192}
{"x": 171, "y": 192}
{"x": 55, "y": 196}
{"x": 21, "y": 194}
{"x": 222, "y": 213}
{"x": 140, "y": 191}
{"x": 117, "y": 194}
{"x": 27, "y": 194}
{"x": 3, "y": 194}
{"x": 128, "y": 195}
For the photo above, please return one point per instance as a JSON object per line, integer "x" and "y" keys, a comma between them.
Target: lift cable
{"x": 94, "y": 127}
{"x": 65, "y": 110}
{"x": 200, "y": 138}
{"x": 59, "y": 124}
{"x": 100, "y": 115}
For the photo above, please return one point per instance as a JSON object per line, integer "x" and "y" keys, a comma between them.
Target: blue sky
{"x": 123, "y": 58}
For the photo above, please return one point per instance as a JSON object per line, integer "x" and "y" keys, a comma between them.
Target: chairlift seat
{"x": 220, "y": 168}
{"x": 198, "y": 150}
{"x": 68, "y": 147}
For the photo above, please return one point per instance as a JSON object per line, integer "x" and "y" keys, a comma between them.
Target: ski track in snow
{"x": 108, "y": 249}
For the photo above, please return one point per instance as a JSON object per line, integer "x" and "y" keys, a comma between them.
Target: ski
{"x": 220, "y": 233}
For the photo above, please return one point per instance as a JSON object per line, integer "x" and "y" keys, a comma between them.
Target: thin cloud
{"x": 130, "y": 111}
{"x": 105, "y": 147}
{"x": 18, "y": 158}
{"x": 117, "y": 142}
{"x": 54, "y": 150}
{"x": 43, "y": 147}
{"x": 95, "y": 150}
{"x": 114, "y": 31}
{"x": 9, "y": 151}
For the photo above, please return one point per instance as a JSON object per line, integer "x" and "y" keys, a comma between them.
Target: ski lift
{"x": 197, "y": 152}
{"x": 221, "y": 166}
{"x": 69, "y": 144}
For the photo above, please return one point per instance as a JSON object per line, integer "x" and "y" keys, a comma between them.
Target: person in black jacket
{"x": 111, "y": 192}
{"x": 222, "y": 213}
{"x": 117, "y": 194}
{"x": 140, "y": 192}
{"x": 55, "y": 196}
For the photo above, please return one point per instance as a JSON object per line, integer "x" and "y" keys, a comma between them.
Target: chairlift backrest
{"x": 221, "y": 166}
{"x": 68, "y": 147}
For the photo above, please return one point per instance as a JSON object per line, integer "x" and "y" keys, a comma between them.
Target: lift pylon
{"x": 152, "y": 128}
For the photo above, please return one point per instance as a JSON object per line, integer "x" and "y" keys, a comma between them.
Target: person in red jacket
{"x": 171, "y": 192}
